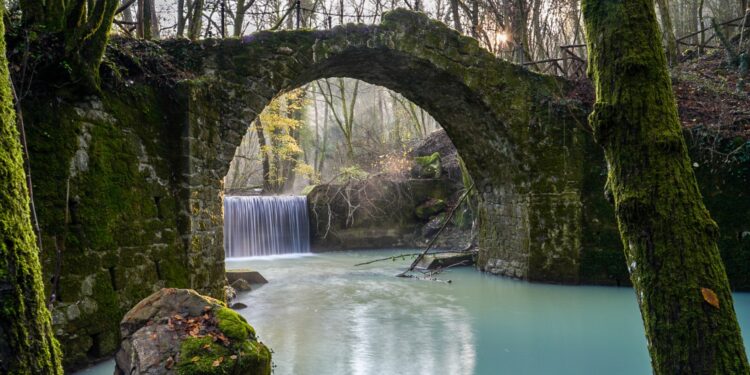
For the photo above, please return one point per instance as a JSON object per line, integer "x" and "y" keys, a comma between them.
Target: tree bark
{"x": 668, "y": 235}
{"x": 668, "y": 31}
{"x": 196, "y": 20}
{"x": 266, "y": 163}
{"x": 456, "y": 16}
{"x": 181, "y": 18}
{"x": 27, "y": 343}
{"x": 83, "y": 29}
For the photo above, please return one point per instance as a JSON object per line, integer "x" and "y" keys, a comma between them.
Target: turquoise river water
{"x": 322, "y": 315}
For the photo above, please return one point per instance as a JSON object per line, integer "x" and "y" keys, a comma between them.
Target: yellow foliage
{"x": 281, "y": 121}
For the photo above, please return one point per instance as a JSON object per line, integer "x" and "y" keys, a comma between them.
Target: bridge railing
{"x": 572, "y": 63}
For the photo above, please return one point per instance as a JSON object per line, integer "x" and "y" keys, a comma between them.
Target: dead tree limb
{"x": 437, "y": 235}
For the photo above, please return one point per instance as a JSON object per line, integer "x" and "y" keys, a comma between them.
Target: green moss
{"x": 234, "y": 325}
{"x": 669, "y": 237}
{"x": 27, "y": 344}
{"x": 429, "y": 166}
{"x": 243, "y": 356}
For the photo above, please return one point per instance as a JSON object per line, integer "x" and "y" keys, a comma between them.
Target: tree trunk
{"x": 239, "y": 18}
{"x": 154, "y": 23}
{"x": 83, "y": 43}
{"x": 668, "y": 32}
{"x": 196, "y": 20}
{"x": 27, "y": 343}
{"x": 456, "y": 16}
{"x": 668, "y": 235}
{"x": 266, "y": 163}
{"x": 180, "y": 18}
{"x": 144, "y": 28}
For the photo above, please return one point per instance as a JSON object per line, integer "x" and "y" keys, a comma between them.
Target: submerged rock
{"x": 238, "y": 306}
{"x": 250, "y": 276}
{"x": 241, "y": 285}
{"x": 178, "y": 331}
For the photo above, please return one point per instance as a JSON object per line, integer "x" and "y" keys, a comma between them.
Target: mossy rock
{"x": 178, "y": 331}
{"x": 427, "y": 166}
{"x": 203, "y": 356}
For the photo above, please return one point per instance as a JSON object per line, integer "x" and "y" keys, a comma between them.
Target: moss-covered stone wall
{"x": 106, "y": 184}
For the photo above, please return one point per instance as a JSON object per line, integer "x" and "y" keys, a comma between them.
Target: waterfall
{"x": 265, "y": 225}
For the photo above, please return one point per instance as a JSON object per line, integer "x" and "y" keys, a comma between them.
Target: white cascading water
{"x": 265, "y": 225}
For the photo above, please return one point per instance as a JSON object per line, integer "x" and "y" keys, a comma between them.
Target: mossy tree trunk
{"x": 27, "y": 344}
{"x": 82, "y": 27}
{"x": 668, "y": 235}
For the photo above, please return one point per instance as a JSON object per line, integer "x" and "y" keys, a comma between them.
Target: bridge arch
{"x": 510, "y": 126}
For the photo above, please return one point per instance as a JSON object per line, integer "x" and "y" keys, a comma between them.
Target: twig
{"x": 445, "y": 224}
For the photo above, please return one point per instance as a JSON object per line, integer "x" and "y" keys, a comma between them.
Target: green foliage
{"x": 282, "y": 123}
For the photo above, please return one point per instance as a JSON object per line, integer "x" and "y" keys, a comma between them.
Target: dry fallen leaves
{"x": 218, "y": 361}
{"x": 710, "y": 297}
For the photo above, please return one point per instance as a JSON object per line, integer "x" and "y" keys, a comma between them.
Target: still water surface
{"x": 321, "y": 315}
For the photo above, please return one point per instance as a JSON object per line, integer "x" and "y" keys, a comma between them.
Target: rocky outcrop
{"x": 178, "y": 331}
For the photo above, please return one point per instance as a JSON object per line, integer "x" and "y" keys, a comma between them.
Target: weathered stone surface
{"x": 249, "y": 276}
{"x": 164, "y": 333}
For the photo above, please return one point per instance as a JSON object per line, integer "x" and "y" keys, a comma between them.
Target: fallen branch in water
{"x": 394, "y": 257}
{"x": 432, "y": 242}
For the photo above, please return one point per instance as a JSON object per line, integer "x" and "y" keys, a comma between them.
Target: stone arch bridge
{"x": 128, "y": 184}
{"x": 522, "y": 142}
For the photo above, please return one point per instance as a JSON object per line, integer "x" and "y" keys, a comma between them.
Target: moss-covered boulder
{"x": 178, "y": 331}
{"x": 427, "y": 166}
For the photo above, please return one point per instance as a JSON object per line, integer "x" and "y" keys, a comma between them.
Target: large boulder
{"x": 178, "y": 331}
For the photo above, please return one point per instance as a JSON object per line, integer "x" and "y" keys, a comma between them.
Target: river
{"x": 322, "y": 315}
